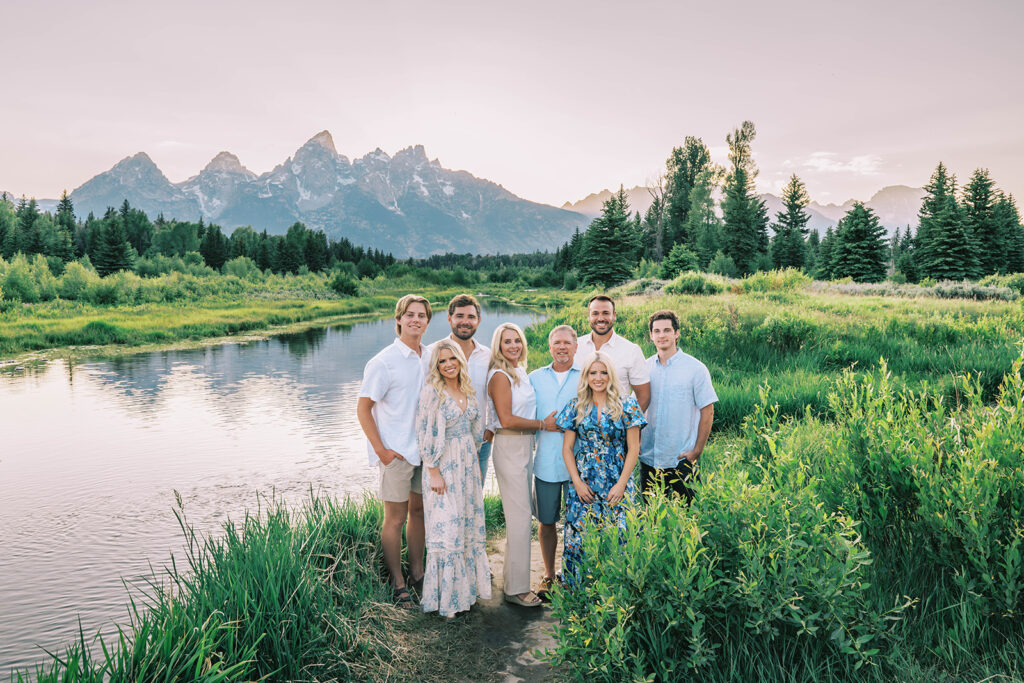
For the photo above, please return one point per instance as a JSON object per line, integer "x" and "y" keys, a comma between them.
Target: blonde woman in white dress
{"x": 449, "y": 430}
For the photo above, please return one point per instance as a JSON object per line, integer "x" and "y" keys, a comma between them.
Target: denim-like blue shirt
{"x": 679, "y": 389}
{"x": 548, "y": 464}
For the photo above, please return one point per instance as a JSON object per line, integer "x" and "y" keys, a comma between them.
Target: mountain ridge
{"x": 406, "y": 204}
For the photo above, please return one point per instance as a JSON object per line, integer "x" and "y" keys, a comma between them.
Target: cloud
{"x": 827, "y": 162}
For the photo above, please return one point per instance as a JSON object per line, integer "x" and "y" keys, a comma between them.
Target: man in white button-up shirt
{"x": 628, "y": 357}
{"x": 392, "y": 381}
{"x": 464, "y": 318}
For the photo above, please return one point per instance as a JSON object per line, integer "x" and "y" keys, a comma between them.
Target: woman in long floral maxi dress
{"x": 603, "y": 429}
{"x": 449, "y": 429}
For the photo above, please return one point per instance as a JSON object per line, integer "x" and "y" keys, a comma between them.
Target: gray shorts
{"x": 549, "y": 499}
{"x": 397, "y": 479}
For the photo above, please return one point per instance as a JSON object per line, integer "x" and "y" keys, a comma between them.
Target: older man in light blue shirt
{"x": 680, "y": 414}
{"x": 554, "y": 385}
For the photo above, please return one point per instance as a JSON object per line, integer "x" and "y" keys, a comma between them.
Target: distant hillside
{"x": 895, "y": 205}
{"x": 406, "y": 204}
{"x": 590, "y": 206}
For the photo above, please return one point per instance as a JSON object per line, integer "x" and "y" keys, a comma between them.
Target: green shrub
{"x": 787, "y": 280}
{"x": 680, "y": 259}
{"x": 784, "y": 332}
{"x": 695, "y": 283}
{"x": 570, "y": 282}
{"x": 244, "y": 268}
{"x": 723, "y": 265}
{"x": 1014, "y": 281}
{"x": 344, "y": 285}
{"x": 76, "y": 281}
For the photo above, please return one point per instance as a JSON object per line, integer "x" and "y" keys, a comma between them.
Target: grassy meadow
{"x": 858, "y": 516}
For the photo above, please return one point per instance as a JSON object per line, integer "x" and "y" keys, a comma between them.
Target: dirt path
{"x": 514, "y": 633}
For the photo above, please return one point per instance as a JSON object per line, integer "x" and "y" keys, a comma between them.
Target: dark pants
{"x": 672, "y": 479}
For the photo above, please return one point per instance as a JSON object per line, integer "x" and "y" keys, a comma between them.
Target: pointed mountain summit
{"x": 226, "y": 162}
{"x": 324, "y": 139}
{"x": 137, "y": 179}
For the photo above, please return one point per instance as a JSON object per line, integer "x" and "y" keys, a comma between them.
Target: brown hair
{"x": 601, "y": 297}
{"x": 460, "y": 300}
{"x": 403, "y": 305}
{"x": 663, "y": 314}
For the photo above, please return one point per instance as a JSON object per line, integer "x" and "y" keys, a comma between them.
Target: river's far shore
{"x": 39, "y": 332}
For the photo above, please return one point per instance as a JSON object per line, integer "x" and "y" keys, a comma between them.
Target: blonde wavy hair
{"x": 436, "y": 379}
{"x": 585, "y": 395}
{"x": 498, "y": 361}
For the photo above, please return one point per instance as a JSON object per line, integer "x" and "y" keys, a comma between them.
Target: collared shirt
{"x": 629, "y": 361}
{"x": 393, "y": 380}
{"x": 679, "y": 389}
{"x": 478, "y": 362}
{"x": 552, "y": 395}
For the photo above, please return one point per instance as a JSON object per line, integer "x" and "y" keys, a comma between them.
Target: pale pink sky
{"x": 554, "y": 100}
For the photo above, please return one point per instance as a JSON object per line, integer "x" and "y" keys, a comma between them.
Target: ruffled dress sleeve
{"x": 566, "y": 418}
{"x": 430, "y": 424}
{"x": 632, "y": 416}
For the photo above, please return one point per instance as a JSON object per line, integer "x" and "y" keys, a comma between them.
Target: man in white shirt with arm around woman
{"x": 392, "y": 381}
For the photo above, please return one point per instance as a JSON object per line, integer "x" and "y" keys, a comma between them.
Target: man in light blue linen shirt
{"x": 680, "y": 414}
{"x": 555, "y": 385}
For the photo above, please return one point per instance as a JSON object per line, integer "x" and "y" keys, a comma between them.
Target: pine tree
{"x": 811, "y": 250}
{"x": 978, "y": 204}
{"x": 788, "y": 247}
{"x": 317, "y": 251}
{"x": 603, "y": 259}
{"x": 683, "y": 167}
{"x": 952, "y": 254}
{"x": 28, "y": 240}
{"x": 112, "y": 251}
{"x": 860, "y": 251}
{"x": 746, "y": 218}
{"x": 939, "y": 188}
{"x": 214, "y": 248}
{"x": 680, "y": 259}
{"x": 1007, "y": 218}
{"x": 826, "y": 252}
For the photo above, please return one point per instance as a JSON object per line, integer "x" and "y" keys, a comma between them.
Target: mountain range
{"x": 407, "y": 204}
{"x": 895, "y": 205}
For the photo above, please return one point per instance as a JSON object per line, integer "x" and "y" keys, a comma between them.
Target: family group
{"x": 435, "y": 416}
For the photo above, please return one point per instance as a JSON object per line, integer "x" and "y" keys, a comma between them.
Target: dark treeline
{"x": 962, "y": 234}
{"x": 126, "y": 239}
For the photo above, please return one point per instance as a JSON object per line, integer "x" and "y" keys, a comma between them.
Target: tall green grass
{"x": 799, "y": 343}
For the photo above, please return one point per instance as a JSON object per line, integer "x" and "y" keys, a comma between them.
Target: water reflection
{"x": 92, "y": 453}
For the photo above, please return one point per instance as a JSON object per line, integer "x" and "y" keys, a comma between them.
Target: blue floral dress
{"x": 600, "y": 456}
{"x": 457, "y": 572}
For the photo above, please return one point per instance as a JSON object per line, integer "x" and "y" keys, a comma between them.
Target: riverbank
{"x": 76, "y": 329}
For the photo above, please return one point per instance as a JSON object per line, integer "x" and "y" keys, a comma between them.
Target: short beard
{"x": 593, "y": 327}
{"x": 463, "y": 336}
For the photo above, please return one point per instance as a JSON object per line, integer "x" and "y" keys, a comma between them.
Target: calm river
{"x": 92, "y": 453}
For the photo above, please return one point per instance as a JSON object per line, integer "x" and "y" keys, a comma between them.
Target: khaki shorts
{"x": 397, "y": 479}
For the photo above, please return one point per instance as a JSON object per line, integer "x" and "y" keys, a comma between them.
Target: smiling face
{"x": 597, "y": 377}
{"x": 464, "y": 321}
{"x": 601, "y": 315}
{"x": 511, "y": 346}
{"x": 663, "y": 335}
{"x": 448, "y": 364}
{"x": 414, "y": 320}
{"x": 563, "y": 348}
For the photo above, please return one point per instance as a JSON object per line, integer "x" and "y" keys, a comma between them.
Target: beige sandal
{"x": 516, "y": 600}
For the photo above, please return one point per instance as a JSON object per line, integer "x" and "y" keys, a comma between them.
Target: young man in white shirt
{"x": 464, "y": 319}
{"x": 628, "y": 357}
{"x": 392, "y": 381}
{"x": 681, "y": 411}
